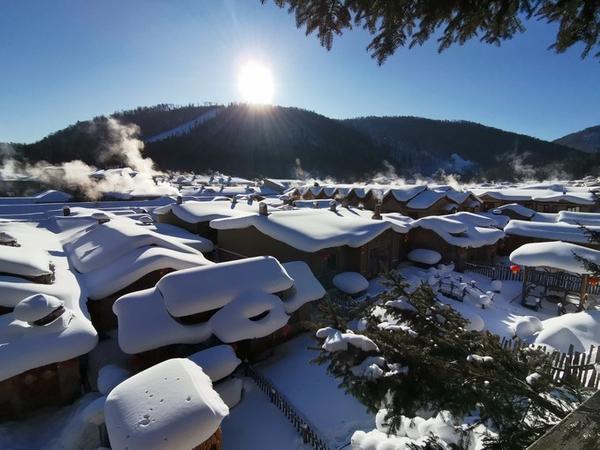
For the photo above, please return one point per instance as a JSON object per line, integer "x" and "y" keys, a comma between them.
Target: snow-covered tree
{"x": 423, "y": 357}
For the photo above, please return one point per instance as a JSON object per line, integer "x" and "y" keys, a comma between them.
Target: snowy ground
{"x": 314, "y": 393}
{"x": 256, "y": 424}
{"x": 501, "y": 313}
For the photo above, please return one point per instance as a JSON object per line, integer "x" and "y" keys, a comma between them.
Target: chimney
{"x": 263, "y": 209}
{"x": 377, "y": 213}
{"x": 234, "y": 200}
{"x": 333, "y": 206}
{"x": 179, "y": 199}
{"x": 315, "y": 204}
{"x": 345, "y": 202}
{"x": 66, "y": 211}
{"x": 361, "y": 206}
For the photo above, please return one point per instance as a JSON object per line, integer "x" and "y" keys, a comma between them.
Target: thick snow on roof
{"x": 36, "y": 307}
{"x": 217, "y": 362}
{"x": 232, "y": 288}
{"x": 579, "y": 218}
{"x": 24, "y": 347}
{"x": 209, "y": 287}
{"x": 558, "y": 255}
{"x": 98, "y": 245}
{"x": 145, "y": 323}
{"x": 405, "y": 193}
{"x": 541, "y": 193}
{"x": 462, "y": 229}
{"x": 549, "y": 231}
{"x": 306, "y": 287}
{"x": 310, "y": 230}
{"x": 426, "y": 199}
{"x": 196, "y": 212}
{"x": 350, "y": 282}
{"x": 169, "y": 406}
{"x": 516, "y": 208}
{"x": 582, "y": 330}
{"x": 129, "y": 268}
{"x": 237, "y": 320}
{"x": 26, "y": 261}
{"x": 49, "y": 196}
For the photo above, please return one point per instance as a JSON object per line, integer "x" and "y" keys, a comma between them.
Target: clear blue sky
{"x": 69, "y": 60}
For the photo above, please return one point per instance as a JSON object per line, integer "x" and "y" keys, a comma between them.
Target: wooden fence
{"x": 302, "y": 425}
{"x": 560, "y": 280}
{"x": 581, "y": 368}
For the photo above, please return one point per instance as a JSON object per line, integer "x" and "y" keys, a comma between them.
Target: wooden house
{"x": 459, "y": 238}
{"x": 330, "y": 242}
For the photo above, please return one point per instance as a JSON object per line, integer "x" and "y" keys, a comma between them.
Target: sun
{"x": 255, "y": 83}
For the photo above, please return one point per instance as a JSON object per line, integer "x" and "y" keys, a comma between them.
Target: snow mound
{"x": 217, "y": 362}
{"x": 254, "y": 314}
{"x": 581, "y": 330}
{"x": 36, "y": 307}
{"x": 339, "y": 341}
{"x": 109, "y": 377}
{"x": 526, "y": 326}
{"x": 25, "y": 261}
{"x": 424, "y": 256}
{"x": 350, "y": 282}
{"x": 169, "y": 406}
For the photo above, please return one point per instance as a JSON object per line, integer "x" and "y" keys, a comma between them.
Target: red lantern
{"x": 515, "y": 268}
{"x": 593, "y": 280}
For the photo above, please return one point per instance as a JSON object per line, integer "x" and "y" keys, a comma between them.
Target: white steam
{"x": 122, "y": 144}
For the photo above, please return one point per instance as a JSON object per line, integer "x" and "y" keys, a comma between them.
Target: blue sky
{"x": 69, "y": 60}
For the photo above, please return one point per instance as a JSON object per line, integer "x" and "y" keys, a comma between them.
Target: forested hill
{"x": 587, "y": 140}
{"x": 279, "y": 141}
{"x": 429, "y": 144}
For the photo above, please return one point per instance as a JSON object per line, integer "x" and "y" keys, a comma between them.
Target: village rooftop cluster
{"x": 152, "y": 321}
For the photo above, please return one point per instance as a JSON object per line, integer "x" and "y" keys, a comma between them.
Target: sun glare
{"x": 256, "y": 83}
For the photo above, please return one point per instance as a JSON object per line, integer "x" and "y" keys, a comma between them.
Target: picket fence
{"x": 578, "y": 367}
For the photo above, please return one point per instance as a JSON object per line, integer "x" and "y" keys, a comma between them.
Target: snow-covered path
{"x": 314, "y": 393}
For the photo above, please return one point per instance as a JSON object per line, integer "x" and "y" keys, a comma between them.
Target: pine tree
{"x": 433, "y": 362}
{"x": 399, "y": 23}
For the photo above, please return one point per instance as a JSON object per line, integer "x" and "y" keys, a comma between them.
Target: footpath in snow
{"x": 314, "y": 393}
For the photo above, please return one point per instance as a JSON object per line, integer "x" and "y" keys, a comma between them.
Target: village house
{"x": 170, "y": 405}
{"x": 239, "y": 302}
{"x": 459, "y": 238}
{"x": 329, "y": 241}
{"x": 45, "y": 332}
{"x": 115, "y": 255}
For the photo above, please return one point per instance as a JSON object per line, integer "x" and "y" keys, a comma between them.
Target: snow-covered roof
{"x": 217, "y": 362}
{"x": 127, "y": 269}
{"x": 306, "y": 287}
{"x": 98, "y": 245}
{"x": 557, "y": 255}
{"x": 579, "y": 218}
{"x": 462, "y": 229}
{"x": 548, "y": 231}
{"x": 210, "y": 287}
{"x": 196, "y": 212}
{"x": 540, "y": 193}
{"x": 517, "y": 209}
{"x": 171, "y": 405}
{"x": 23, "y": 346}
{"x": 310, "y": 230}
{"x": 145, "y": 323}
{"x": 36, "y": 307}
{"x": 405, "y": 193}
{"x": 426, "y": 199}
{"x": 197, "y": 290}
{"x": 26, "y": 261}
